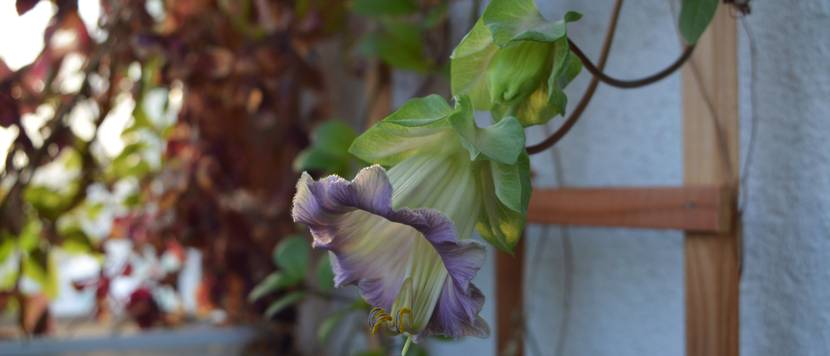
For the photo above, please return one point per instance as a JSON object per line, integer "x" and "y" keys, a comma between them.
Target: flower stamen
{"x": 401, "y": 313}
{"x": 378, "y": 316}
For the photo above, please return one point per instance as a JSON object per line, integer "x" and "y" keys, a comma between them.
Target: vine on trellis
{"x": 431, "y": 157}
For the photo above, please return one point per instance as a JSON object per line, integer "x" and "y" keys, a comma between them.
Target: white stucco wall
{"x": 625, "y": 287}
{"x": 785, "y": 291}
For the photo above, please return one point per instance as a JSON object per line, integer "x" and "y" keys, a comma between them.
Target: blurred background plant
{"x": 146, "y": 137}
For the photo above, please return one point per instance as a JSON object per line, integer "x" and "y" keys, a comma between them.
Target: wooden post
{"x": 510, "y": 301}
{"x": 711, "y": 157}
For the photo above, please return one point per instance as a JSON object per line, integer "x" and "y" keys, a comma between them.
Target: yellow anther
{"x": 380, "y": 321}
{"x": 401, "y": 313}
{"x": 380, "y": 315}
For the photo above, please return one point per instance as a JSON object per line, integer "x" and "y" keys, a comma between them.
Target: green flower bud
{"x": 518, "y": 70}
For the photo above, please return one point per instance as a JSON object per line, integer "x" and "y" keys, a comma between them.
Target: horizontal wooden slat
{"x": 691, "y": 208}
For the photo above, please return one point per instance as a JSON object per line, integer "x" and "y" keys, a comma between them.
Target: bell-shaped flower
{"x": 515, "y": 63}
{"x": 401, "y": 235}
{"x": 408, "y": 263}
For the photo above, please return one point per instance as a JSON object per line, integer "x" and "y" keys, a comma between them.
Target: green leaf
{"x": 469, "y": 62}
{"x": 324, "y": 273}
{"x": 318, "y": 159}
{"x": 497, "y": 223}
{"x": 291, "y": 255}
{"x": 695, "y": 16}
{"x": 40, "y": 267}
{"x": 128, "y": 163}
{"x": 515, "y": 20}
{"x": 284, "y": 302}
{"x": 329, "y": 149}
{"x": 75, "y": 240}
{"x": 141, "y": 121}
{"x": 399, "y": 44}
{"x": 333, "y": 136}
{"x": 330, "y": 323}
{"x": 274, "y": 282}
{"x": 29, "y": 238}
{"x": 502, "y": 141}
{"x": 47, "y": 201}
{"x": 377, "y": 8}
{"x": 7, "y": 246}
{"x": 436, "y": 15}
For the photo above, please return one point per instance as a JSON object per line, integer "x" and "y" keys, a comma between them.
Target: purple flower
{"x": 408, "y": 263}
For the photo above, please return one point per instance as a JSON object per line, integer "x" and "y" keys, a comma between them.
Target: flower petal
{"x": 379, "y": 248}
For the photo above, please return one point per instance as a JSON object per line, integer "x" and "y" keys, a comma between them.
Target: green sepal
{"x": 501, "y": 220}
{"x": 469, "y": 63}
{"x": 501, "y": 142}
{"x": 549, "y": 99}
{"x": 418, "y": 127}
{"x": 518, "y": 70}
{"x": 420, "y": 111}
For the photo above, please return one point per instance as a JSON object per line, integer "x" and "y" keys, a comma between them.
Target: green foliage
{"x": 378, "y": 8}
{"x": 41, "y": 268}
{"x": 128, "y": 163}
{"x": 284, "y": 302}
{"x": 328, "y": 324}
{"x": 46, "y": 201}
{"x": 75, "y": 240}
{"x": 7, "y": 246}
{"x": 274, "y": 282}
{"x": 695, "y": 16}
{"x": 324, "y": 274}
{"x": 399, "y": 44}
{"x": 399, "y": 32}
{"x": 329, "y": 150}
{"x": 291, "y": 256}
{"x": 514, "y": 62}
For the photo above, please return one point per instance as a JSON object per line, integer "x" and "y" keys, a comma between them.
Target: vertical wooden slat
{"x": 711, "y": 157}
{"x": 510, "y": 301}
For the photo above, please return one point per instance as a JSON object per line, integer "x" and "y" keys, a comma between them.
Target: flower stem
{"x": 406, "y": 345}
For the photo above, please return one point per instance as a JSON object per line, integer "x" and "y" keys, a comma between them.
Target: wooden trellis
{"x": 705, "y": 207}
